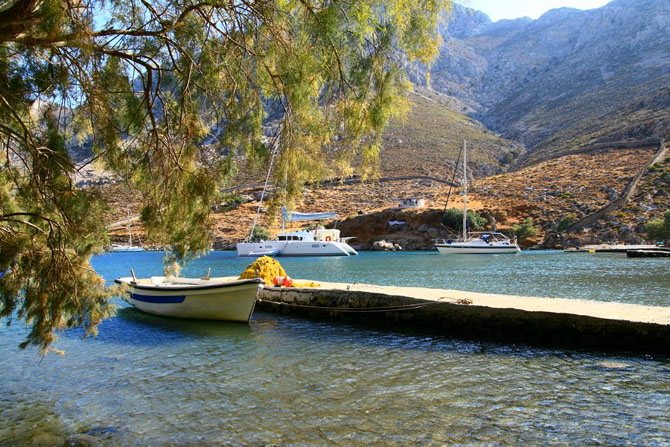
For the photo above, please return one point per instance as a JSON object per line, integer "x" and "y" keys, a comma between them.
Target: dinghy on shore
{"x": 227, "y": 299}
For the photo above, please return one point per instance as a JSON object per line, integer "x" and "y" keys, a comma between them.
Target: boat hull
{"x": 232, "y": 301}
{"x": 469, "y": 249}
{"x": 124, "y": 249}
{"x": 295, "y": 248}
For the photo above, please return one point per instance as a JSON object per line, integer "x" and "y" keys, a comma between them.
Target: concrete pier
{"x": 658, "y": 253}
{"x": 607, "y": 248}
{"x": 557, "y": 322}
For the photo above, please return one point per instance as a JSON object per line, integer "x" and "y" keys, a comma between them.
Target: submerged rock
{"x": 82, "y": 440}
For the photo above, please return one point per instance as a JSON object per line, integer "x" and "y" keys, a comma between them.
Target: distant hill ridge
{"x": 568, "y": 79}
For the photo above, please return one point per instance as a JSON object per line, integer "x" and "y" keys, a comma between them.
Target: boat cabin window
{"x": 289, "y": 238}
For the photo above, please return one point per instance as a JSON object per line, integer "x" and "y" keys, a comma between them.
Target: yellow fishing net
{"x": 267, "y": 268}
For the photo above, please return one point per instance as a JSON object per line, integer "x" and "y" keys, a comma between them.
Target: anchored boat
{"x": 129, "y": 247}
{"x": 479, "y": 243}
{"x": 226, "y": 299}
{"x": 317, "y": 242}
{"x": 475, "y": 242}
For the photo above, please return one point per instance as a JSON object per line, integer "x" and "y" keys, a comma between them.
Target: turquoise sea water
{"x": 147, "y": 380}
{"x": 605, "y": 277}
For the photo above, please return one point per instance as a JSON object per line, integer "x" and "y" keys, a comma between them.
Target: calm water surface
{"x": 147, "y": 380}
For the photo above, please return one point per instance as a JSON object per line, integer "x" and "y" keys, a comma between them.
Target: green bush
{"x": 260, "y": 233}
{"x": 565, "y": 223}
{"x": 526, "y": 230}
{"x": 453, "y": 218}
{"x": 230, "y": 201}
{"x": 659, "y": 229}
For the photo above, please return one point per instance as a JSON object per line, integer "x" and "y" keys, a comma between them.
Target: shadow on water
{"x": 412, "y": 338}
{"x": 133, "y": 327}
{"x": 350, "y": 332}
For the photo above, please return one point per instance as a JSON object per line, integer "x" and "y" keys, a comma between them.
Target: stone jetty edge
{"x": 535, "y": 321}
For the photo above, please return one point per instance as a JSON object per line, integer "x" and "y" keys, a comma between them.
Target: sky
{"x": 512, "y": 9}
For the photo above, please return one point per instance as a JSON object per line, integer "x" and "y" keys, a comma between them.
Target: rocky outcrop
{"x": 393, "y": 229}
{"x": 385, "y": 246}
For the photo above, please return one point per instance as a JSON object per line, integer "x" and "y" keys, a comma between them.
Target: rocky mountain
{"x": 568, "y": 79}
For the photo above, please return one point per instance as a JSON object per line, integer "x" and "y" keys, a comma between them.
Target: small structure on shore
{"x": 412, "y": 202}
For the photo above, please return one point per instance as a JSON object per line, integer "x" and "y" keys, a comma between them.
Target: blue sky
{"x": 512, "y": 9}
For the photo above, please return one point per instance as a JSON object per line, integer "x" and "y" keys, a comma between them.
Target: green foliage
{"x": 659, "y": 229}
{"x": 565, "y": 223}
{"x": 526, "y": 230}
{"x": 147, "y": 88}
{"x": 453, "y": 218}
{"x": 229, "y": 201}
{"x": 260, "y": 234}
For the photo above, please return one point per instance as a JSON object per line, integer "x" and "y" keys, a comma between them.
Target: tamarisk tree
{"x": 145, "y": 84}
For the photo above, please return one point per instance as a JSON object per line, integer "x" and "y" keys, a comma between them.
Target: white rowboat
{"x": 226, "y": 299}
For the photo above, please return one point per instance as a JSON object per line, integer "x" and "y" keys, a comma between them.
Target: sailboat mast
{"x": 130, "y": 234}
{"x": 465, "y": 193}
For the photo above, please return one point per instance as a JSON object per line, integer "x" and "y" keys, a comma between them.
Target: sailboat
{"x": 129, "y": 247}
{"x": 482, "y": 242}
{"x": 317, "y": 242}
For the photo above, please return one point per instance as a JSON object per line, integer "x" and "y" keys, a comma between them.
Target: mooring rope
{"x": 359, "y": 310}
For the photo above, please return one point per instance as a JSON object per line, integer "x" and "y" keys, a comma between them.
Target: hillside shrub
{"x": 565, "y": 223}
{"x": 230, "y": 201}
{"x": 260, "y": 234}
{"x": 659, "y": 229}
{"x": 453, "y": 218}
{"x": 526, "y": 230}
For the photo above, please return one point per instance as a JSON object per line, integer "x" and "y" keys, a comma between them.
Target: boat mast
{"x": 465, "y": 194}
{"x": 265, "y": 186}
{"x": 130, "y": 234}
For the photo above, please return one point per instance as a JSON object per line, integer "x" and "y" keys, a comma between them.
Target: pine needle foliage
{"x": 146, "y": 84}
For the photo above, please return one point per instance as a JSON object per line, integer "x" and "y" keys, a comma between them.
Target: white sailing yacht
{"x": 317, "y": 242}
{"x": 129, "y": 246}
{"x": 483, "y": 242}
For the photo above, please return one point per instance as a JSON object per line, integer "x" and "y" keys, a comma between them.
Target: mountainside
{"x": 532, "y": 98}
{"x": 567, "y": 79}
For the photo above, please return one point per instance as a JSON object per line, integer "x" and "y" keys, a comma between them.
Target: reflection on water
{"x": 147, "y": 380}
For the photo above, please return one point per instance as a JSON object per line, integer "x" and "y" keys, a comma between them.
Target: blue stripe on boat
{"x": 158, "y": 299}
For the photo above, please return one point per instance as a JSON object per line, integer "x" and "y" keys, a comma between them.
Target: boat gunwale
{"x": 186, "y": 287}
